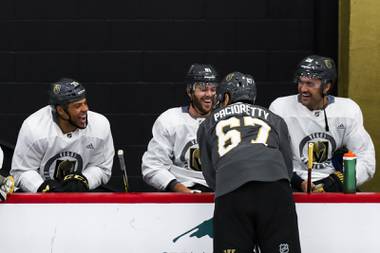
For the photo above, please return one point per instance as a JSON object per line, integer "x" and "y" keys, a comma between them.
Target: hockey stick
{"x": 120, "y": 154}
{"x": 310, "y": 148}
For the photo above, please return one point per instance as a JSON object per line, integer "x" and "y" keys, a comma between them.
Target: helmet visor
{"x": 204, "y": 85}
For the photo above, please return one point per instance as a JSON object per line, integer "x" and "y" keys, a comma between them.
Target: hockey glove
{"x": 337, "y": 158}
{"x": 332, "y": 183}
{"x": 7, "y": 185}
{"x": 50, "y": 185}
{"x": 296, "y": 182}
{"x": 75, "y": 183}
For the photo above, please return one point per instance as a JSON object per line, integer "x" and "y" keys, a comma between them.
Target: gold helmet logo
{"x": 229, "y": 77}
{"x": 328, "y": 64}
{"x": 56, "y": 88}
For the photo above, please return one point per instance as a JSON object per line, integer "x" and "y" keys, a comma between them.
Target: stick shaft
{"x": 310, "y": 149}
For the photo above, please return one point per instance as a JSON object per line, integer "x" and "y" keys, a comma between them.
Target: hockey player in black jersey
{"x": 246, "y": 158}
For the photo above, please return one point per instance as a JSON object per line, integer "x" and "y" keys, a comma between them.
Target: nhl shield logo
{"x": 283, "y": 248}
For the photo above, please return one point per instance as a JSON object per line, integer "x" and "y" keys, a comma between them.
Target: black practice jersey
{"x": 241, "y": 143}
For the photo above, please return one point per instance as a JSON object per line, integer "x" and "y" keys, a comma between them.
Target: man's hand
{"x": 314, "y": 188}
{"x": 75, "y": 182}
{"x": 332, "y": 183}
{"x": 175, "y": 186}
{"x": 178, "y": 187}
{"x": 50, "y": 185}
{"x": 304, "y": 186}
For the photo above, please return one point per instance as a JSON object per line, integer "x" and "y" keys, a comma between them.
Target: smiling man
{"x": 332, "y": 124}
{"x": 63, "y": 147}
{"x": 172, "y": 161}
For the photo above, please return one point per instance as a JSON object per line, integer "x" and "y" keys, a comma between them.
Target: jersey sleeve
{"x": 157, "y": 160}
{"x": 99, "y": 168}
{"x": 208, "y": 170}
{"x": 285, "y": 147}
{"x": 275, "y": 107}
{"x": 358, "y": 140}
{"x": 1, "y": 158}
{"x": 26, "y": 161}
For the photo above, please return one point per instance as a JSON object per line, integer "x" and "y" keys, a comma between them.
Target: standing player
{"x": 246, "y": 159}
{"x": 171, "y": 162}
{"x": 63, "y": 146}
{"x": 331, "y": 123}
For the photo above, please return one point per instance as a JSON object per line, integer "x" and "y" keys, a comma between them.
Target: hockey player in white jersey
{"x": 172, "y": 162}
{"x": 63, "y": 147}
{"x": 331, "y": 123}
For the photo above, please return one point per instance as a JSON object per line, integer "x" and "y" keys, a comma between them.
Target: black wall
{"x": 132, "y": 56}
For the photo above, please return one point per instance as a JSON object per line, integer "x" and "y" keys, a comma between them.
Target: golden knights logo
{"x": 56, "y": 88}
{"x": 320, "y": 151}
{"x": 229, "y": 77}
{"x": 190, "y": 156}
{"x": 324, "y": 144}
{"x": 62, "y": 164}
{"x": 195, "y": 159}
{"x": 328, "y": 63}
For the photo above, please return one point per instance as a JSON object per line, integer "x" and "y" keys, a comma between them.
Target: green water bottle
{"x": 349, "y": 164}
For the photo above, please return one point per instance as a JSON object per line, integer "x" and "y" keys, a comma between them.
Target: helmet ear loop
{"x": 64, "y": 109}
{"x": 323, "y": 94}
{"x": 190, "y": 92}
{"x": 323, "y": 87}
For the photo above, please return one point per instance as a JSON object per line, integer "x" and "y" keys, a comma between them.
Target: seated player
{"x": 333, "y": 124}
{"x": 63, "y": 147}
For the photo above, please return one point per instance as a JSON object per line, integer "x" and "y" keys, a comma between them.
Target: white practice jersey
{"x": 173, "y": 152}
{"x": 42, "y": 146}
{"x": 1, "y": 158}
{"x": 345, "y": 121}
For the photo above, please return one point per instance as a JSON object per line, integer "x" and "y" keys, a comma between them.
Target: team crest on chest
{"x": 62, "y": 164}
{"x": 323, "y": 145}
{"x": 190, "y": 156}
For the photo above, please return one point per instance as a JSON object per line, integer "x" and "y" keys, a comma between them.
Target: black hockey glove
{"x": 337, "y": 158}
{"x": 50, "y": 185}
{"x": 296, "y": 182}
{"x": 332, "y": 183}
{"x": 75, "y": 183}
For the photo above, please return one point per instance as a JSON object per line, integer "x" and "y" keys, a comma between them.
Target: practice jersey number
{"x": 231, "y": 138}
